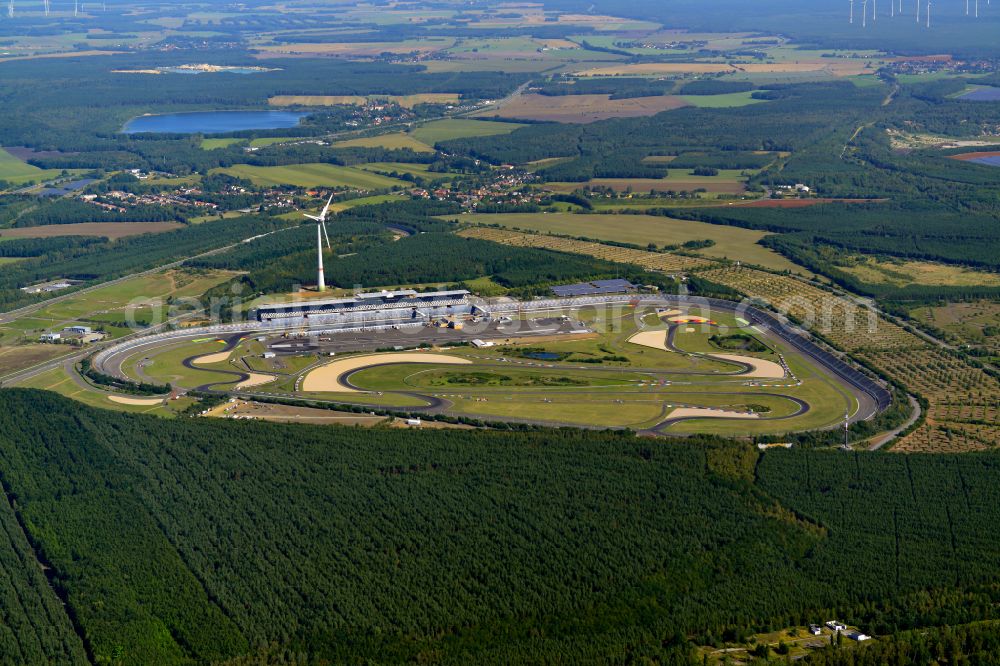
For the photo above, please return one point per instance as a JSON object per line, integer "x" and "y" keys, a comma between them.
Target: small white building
{"x": 51, "y": 337}
{"x": 79, "y": 330}
{"x": 858, "y": 636}
{"x": 482, "y": 344}
{"x": 269, "y": 355}
{"x": 413, "y": 422}
{"x": 834, "y": 625}
{"x": 815, "y": 629}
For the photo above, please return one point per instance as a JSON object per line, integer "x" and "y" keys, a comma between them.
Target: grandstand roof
{"x": 362, "y": 299}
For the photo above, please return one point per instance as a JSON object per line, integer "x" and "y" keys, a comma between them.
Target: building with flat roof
{"x": 595, "y": 288}
{"x": 371, "y": 301}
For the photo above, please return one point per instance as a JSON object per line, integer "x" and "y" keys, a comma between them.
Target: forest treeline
{"x": 194, "y": 539}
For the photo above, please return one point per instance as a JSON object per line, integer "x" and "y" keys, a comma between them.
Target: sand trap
{"x": 255, "y": 379}
{"x": 759, "y": 368}
{"x": 212, "y": 358}
{"x": 654, "y": 339}
{"x": 688, "y": 319}
{"x": 140, "y": 402}
{"x": 706, "y": 413}
{"x": 669, "y": 313}
{"x": 327, "y": 377}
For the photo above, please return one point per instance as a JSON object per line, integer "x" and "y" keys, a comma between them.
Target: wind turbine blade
{"x": 322, "y": 223}
{"x": 326, "y": 208}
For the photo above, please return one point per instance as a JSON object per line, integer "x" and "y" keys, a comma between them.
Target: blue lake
{"x": 982, "y": 95}
{"x": 228, "y": 70}
{"x": 213, "y": 122}
{"x": 989, "y": 161}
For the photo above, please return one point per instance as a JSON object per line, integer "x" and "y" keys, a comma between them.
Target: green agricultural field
{"x": 730, "y": 242}
{"x": 363, "y": 201}
{"x": 263, "y": 142}
{"x": 215, "y": 144}
{"x": 15, "y": 171}
{"x": 396, "y": 141}
{"x": 312, "y": 175}
{"x": 455, "y": 128}
{"x": 403, "y": 168}
{"x": 729, "y": 100}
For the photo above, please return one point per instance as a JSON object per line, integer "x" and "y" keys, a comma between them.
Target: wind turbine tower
{"x": 874, "y": 10}
{"x": 320, "y": 232}
{"x": 918, "y": 12}
{"x": 10, "y": 8}
{"x": 852, "y": 12}
{"x": 864, "y": 14}
{"x": 928, "y": 13}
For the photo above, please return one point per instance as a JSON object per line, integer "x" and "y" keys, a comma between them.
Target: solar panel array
{"x": 595, "y": 288}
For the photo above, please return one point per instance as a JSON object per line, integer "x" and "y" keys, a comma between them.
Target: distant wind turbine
{"x": 864, "y": 14}
{"x": 10, "y": 8}
{"x": 852, "y": 12}
{"x": 874, "y": 10}
{"x": 928, "y": 13}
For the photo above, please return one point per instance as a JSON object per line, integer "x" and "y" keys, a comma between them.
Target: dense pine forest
{"x": 192, "y": 541}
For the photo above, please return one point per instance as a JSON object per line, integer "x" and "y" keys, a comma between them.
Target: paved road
{"x": 878, "y": 442}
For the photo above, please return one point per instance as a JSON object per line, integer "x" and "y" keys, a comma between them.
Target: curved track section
{"x": 872, "y": 397}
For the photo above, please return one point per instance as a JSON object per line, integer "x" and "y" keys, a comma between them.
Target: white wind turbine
{"x": 852, "y": 12}
{"x": 321, "y": 225}
{"x": 928, "y": 13}
{"x": 864, "y": 14}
